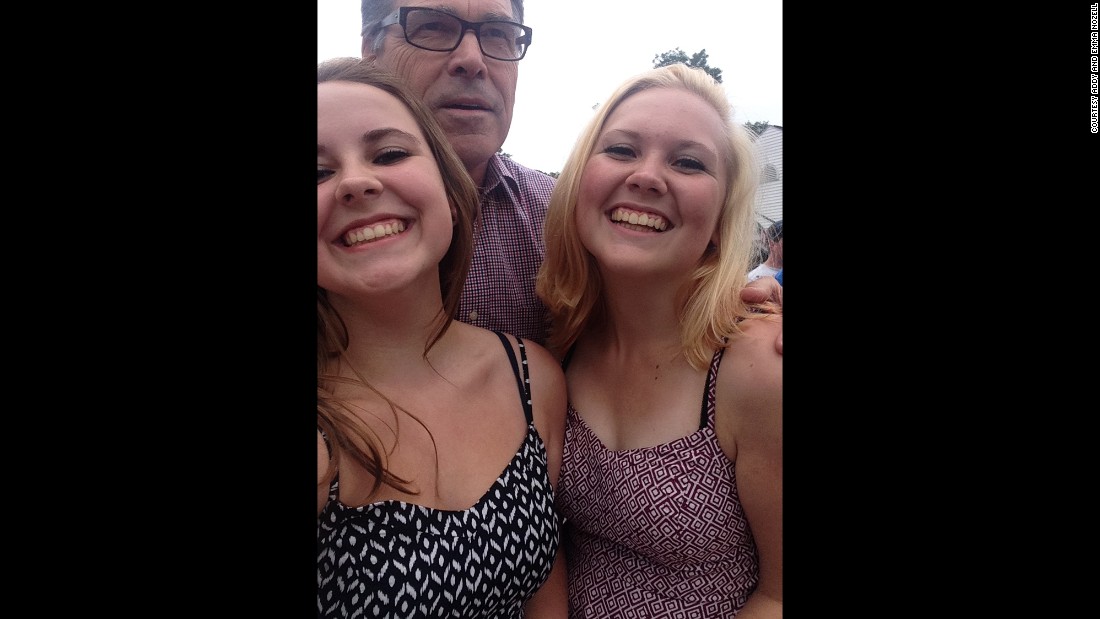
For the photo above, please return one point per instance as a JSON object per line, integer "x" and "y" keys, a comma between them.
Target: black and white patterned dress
{"x": 397, "y": 559}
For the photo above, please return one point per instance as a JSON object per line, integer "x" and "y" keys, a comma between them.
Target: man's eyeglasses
{"x": 442, "y": 32}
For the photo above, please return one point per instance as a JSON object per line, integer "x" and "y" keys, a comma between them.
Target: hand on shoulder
{"x": 762, "y": 290}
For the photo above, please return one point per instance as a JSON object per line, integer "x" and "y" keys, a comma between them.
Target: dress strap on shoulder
{"x": 568, "y": 357}
{"x": 707, "y": 412}
{"x": 524, "y": 383}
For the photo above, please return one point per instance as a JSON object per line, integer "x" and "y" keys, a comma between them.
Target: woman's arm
{"x": 749, "y": 423}
{"x": 548, "y": 397}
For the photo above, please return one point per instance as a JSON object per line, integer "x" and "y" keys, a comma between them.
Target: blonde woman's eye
{"x": 692, "y": 164}
{"x": 323, "y": 173}
{"x": 619, "y": 151}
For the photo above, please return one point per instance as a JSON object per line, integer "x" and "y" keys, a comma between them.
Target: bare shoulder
{"x": 539, "y": 358}
{"x": 752, "y": 356}
{"x": 547, "y": 382}
{"x": 549, "y": 403}
{"x": 749, "y": 425}
{"x": 547, "y": 378}
{"x": 750, "y": 386}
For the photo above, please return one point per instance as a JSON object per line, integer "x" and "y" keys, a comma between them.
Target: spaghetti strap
{"x": 708, "y": 392}
{"x": 523, "y": 384}
{"x": 568, "y": 357}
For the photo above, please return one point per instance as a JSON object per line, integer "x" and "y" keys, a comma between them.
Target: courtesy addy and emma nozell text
{"x": 1095, "y": 77}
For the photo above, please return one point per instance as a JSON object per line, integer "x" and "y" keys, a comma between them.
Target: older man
{"x": 462, "y": 57}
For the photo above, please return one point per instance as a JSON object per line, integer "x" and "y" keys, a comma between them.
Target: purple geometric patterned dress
{"x": 658, "y": 531}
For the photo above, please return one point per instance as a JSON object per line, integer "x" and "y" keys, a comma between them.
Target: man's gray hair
{"x": 374, "y": 11}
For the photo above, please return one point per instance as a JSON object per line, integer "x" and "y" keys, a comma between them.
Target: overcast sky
{"x": 582, "y": 49}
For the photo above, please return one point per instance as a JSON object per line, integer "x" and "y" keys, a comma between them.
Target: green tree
{"x": 757, "y": 127}
{"x": 698, "y": 59}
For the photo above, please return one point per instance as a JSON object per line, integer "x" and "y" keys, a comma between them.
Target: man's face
{"x": 471, "y": 95}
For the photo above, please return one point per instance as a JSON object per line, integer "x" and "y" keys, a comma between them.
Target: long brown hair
{"x": 347, "y": 435}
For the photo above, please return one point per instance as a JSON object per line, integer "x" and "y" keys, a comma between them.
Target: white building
{"x": 769, "y": 197}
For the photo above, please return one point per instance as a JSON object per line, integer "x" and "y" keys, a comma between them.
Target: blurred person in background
{"x": 774, "y": 263}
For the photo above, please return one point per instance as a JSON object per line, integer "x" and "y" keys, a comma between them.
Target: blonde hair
{"x": 710, "y": 307}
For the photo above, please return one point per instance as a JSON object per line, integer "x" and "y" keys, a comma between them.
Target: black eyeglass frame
{"x": 402, "y": 14}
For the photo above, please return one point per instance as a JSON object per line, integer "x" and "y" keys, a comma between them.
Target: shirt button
{"x": 473, "y": 315}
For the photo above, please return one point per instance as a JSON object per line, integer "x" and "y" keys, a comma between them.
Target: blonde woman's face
{"x": 651, "y": 192}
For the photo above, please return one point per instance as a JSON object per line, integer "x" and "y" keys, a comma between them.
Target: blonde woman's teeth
{"x": 639, "y": 219}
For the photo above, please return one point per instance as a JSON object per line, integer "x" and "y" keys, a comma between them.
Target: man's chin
{"x": 474, "y": 150}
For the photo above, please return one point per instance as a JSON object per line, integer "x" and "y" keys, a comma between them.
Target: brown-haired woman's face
{"x": 383, "y": 219}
